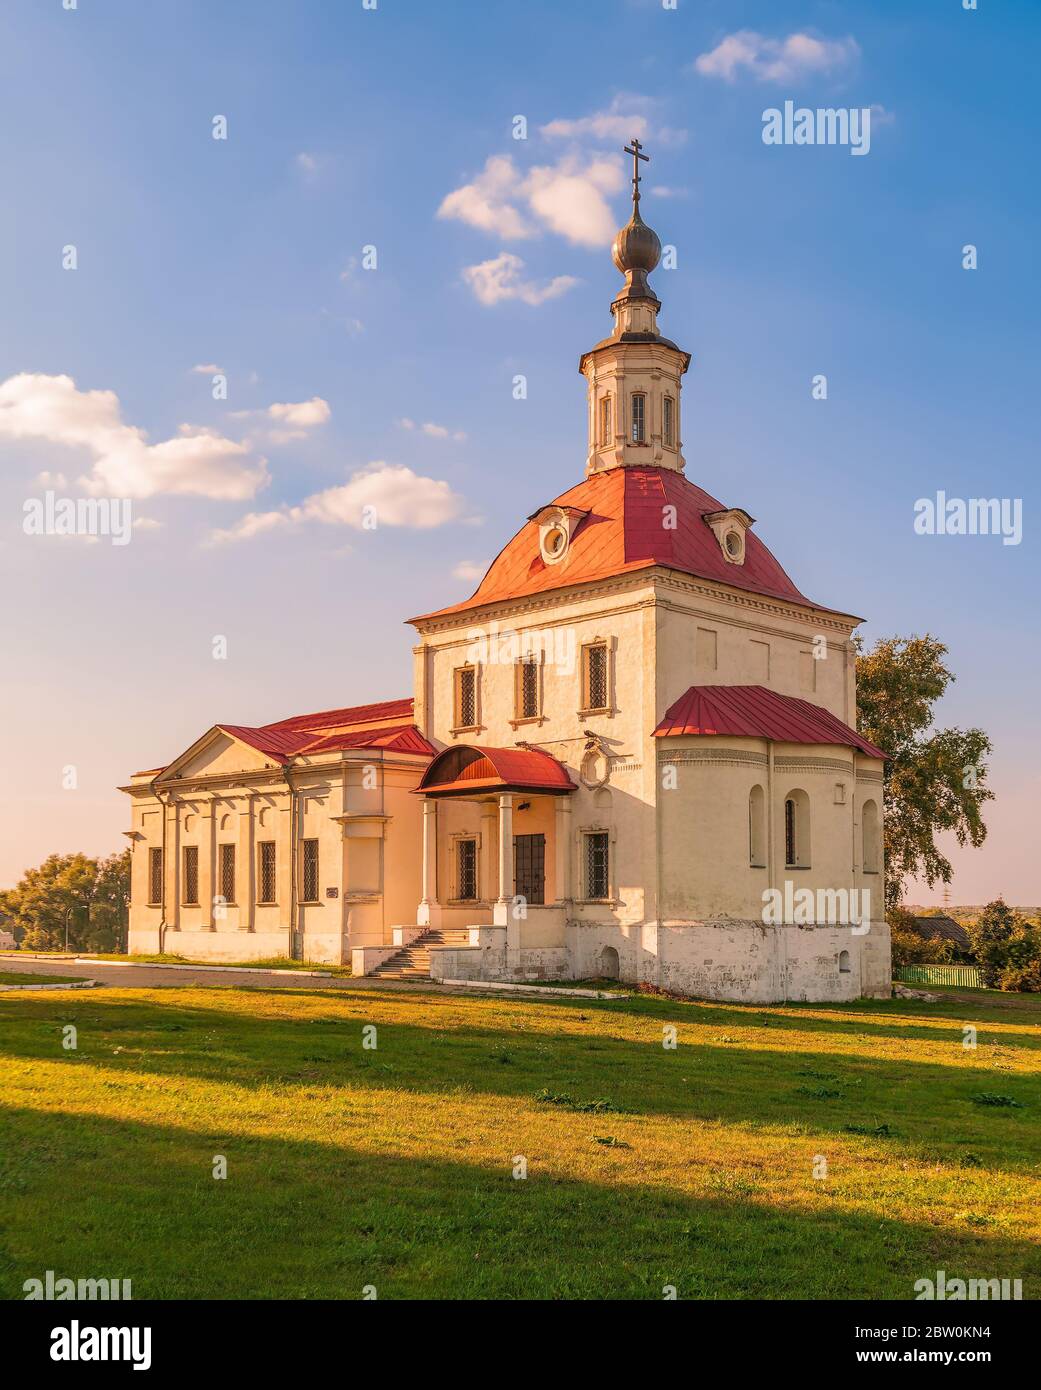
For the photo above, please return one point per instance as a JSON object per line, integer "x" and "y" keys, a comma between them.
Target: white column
{"x": 502, "y": 913}
{"x": 562, "y": 849}
{"x": 488, "y": 884}
{"x": 429, "y": 911}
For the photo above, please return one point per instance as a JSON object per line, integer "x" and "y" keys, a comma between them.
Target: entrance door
{"x": 529, "y": 868}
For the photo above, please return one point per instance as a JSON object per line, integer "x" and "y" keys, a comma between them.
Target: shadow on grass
{"x": 87, "y": 1196}
{"x": 927, "y": 1107}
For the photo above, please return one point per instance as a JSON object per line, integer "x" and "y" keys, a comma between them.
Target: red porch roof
{"x": 465, "y": 770}
{"x": 752, "y": 711}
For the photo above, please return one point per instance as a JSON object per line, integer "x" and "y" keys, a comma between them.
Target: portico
{"x": 496, "y": 830}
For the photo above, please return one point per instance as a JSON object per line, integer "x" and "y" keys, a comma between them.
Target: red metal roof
{"x": 386, "y": 725}
{"x": 466, "y": 769}
{"x": 752, "y": 711}
{"x": 627, "y": 528}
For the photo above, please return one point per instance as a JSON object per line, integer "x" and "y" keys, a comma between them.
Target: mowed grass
{"x": 394, "y": 1167}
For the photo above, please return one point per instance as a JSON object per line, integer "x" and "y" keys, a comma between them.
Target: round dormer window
{"x": 734, "y": 545}
{"x": 554, "y": 544}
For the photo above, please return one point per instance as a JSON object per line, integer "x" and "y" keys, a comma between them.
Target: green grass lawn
{"x": 266, "y": 963}
{"x": 349, "y": 1167}
{"x": 20, "y": 977}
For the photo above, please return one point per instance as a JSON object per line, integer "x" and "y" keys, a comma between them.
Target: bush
{"x": 1007, "y": 949}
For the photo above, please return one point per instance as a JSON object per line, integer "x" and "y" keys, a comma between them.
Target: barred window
{"x": 466, "y": 870}
{"x": 597, "y": 877}
{"x": 595, "y": 677}
{"x": 191, "y": 875}
{"x": 790, "y": 862}
{"x": 668, "y": 422}
{"x": 310, "y": 851}
{"x": 605, "y": 420}
{"x": 528, "y": 693}
{"x": 266, "y": 868}
{"x": 155, "y": 876}
{"x": 227, "y": 873}
{"x": 639, "y": 419}
{"x": 465, "y": 697}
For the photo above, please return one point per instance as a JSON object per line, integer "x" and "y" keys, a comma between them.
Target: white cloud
{"x": 498, "y": 279}
{"x": 146, "y": 523}
{"x": 628, "y": 114}
{"x": 468, "y": 571}
{"x": 433, "y": 431}
{"x": 661, "y": 190}
{"x": 488, "y": 202}
{"x": 197, "y": 461}
{"x": 567, "y": 197}
{"x": 301, "y": 414}
{"x": 775, "y": 60}
{"x": 207, "y": 369}
{"x": 383, "y": 494}
{"x": 307, "y": 164}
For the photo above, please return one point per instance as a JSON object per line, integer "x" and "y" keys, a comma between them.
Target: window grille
{"x": 227, "y": 873}
{"x": 597, "y": 878}
{"x": 668, "y": 424}
{"x": 789, "y": 835}
{"x": 466, "y": 855}
{"x": 529, "y": 690}
{"x": 529, "y": 868}
{"x": 267, "y": 871}
{"x": 466, "y": 698}
{"x": 310, "y": 875}
{"x": 155, "y": 876}
{"x": 596, "y": 677}
{"x": 191, "y": 874}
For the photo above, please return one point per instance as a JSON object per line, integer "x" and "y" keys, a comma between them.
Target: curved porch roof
{"x": 466, "y": 770}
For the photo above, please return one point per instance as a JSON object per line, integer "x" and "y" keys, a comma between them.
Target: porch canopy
{"x": 468, "y": 771}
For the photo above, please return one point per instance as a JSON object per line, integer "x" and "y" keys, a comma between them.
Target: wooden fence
{"x": 967, "y": 976}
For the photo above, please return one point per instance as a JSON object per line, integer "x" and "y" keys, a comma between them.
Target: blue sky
{"x": 349, "y": 128}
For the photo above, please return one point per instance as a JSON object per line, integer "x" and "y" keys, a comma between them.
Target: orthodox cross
{"x": 634, "y": 149}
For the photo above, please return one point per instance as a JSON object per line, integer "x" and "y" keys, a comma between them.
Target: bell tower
{"x": 634, "y": 376}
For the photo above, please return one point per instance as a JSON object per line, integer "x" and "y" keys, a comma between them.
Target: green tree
{"x": 935, "y": 779}
{"x": 1004, "y": 944}
{"x": 90, "y": 894}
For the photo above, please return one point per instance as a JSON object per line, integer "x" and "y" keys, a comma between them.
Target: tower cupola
{"x": 634, "y": 375}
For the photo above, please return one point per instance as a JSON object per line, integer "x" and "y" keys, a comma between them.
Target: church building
{"x": 630, "y": 754}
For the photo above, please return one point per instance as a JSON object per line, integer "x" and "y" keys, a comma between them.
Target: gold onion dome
{"x": 636, "y": 246}
{"x": 636, "y": 249}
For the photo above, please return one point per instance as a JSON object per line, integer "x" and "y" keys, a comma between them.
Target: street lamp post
{"x": 67, "y": 911}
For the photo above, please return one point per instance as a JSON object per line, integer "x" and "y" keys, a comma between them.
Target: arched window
{"x": 639, "y": 420}
{"x": 605, "y": 421}
{"x": 668, "y": 422}
{"x": 843, "y": 962}
{"x": 869, "y": 829}
{"x": 797, "y": 831}
{"x": 757, "y": 828}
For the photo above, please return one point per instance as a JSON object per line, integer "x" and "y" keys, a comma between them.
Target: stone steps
{"x": 412, "y": 962}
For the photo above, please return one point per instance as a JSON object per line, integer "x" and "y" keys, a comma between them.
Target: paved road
{"x": 151, "y": 977}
